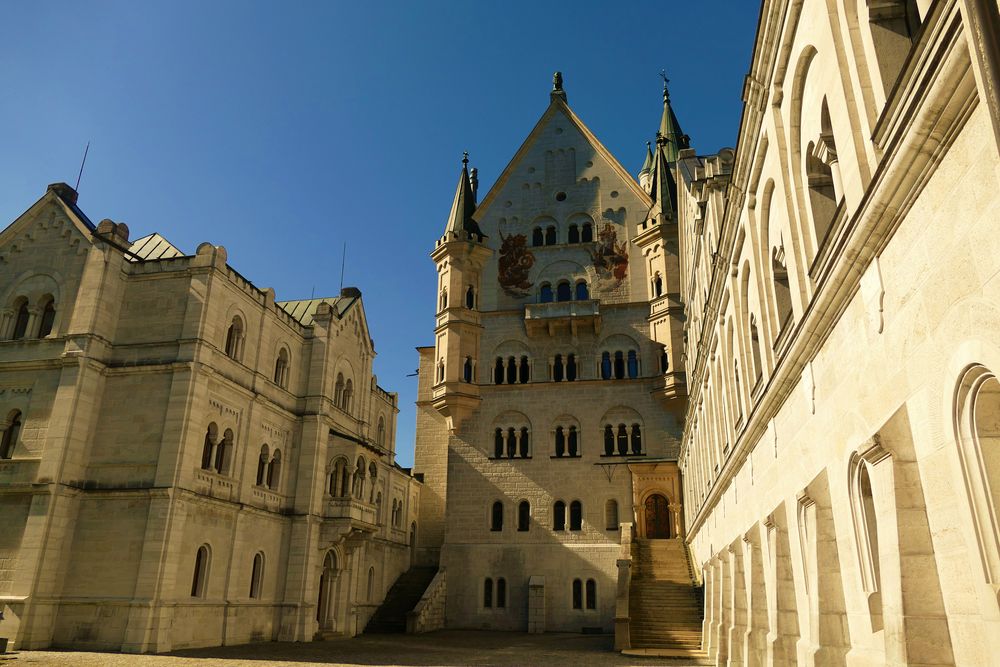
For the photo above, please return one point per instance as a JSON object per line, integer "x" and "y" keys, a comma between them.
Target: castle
{"x": 741, "y": 406}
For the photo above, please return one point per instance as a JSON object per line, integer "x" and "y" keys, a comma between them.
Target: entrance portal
{"x": 657, "y": 517}
{"x": 326, "y": 600}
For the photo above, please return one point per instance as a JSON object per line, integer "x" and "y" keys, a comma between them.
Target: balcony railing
{"x": 547, "y": 319}
{"x": 357, "y": 511}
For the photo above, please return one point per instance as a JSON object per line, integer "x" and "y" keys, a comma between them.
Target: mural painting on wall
{"x": 610, "y": 258}
{"x": 514, "y": 265}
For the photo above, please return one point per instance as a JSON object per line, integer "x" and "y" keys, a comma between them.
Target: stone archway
{"x": 656, "y": 512}
{"x": 326, "y": 603}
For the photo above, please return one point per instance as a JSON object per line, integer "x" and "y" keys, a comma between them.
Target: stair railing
{"x": 428, "y": 613}
{"x": 623, "y": 638}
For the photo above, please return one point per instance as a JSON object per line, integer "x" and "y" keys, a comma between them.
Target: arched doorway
{"x": 657, "y": 515}
{"x": 326, "y": 604}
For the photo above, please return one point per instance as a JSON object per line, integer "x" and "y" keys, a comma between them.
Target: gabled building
{"x": 184, "y": 461}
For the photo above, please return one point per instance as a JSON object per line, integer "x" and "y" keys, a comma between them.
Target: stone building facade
{"x": 550, "y": 405}
{"x": 184, "y": 461}
{"x": 842, "y": 339}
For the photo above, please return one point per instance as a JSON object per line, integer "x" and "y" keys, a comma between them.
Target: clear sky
{"x": 283, "y": 129}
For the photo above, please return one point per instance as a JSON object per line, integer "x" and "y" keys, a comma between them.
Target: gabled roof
{"x": 152, "y": 246}
{"x": 558, "y": 105}
{"x": 303, "y": 310}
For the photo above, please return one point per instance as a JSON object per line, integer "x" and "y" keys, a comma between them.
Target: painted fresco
{"x": 610, "y": 258}
{"x": 514, "y": 265}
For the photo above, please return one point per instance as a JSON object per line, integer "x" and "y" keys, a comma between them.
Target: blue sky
{"x": 282, "y": 130}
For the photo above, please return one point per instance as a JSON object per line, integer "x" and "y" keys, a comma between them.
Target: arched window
{"x": 609, "y": 440}
{"x": 606, "y": 366}
{"x": 496, "y": 517}
{"x": 281, "y": 368}
{"x": 588, "y": 232}
{"x": 619, "y": 365}
{"x": 577, "y": 594}
{"x": 573, "y": 444}
{"x": 573, "y": 234}
{"x": 523, "y": 516}
{"x": 224, "y": 452}
{"x": 622, "y": 440}
{"x": 498, "y": 443}
{"x": 274, "y": 470}
{"x": 234, "y": 339}
{"x": 633, "y": 364}
{"x": 256, "y": 576}
{"x": 550, "y": 235}
{"x": 371, "y": 584}
{"x": 444, "y": 298}
{"x": 575, "y": 515}
{"x": 338, "y": 390}
{"x": 488, "y": 593}
{"x": 591, "y": 594}
{"x": 537, "y": 237}
{"x": 360, "y": 467}
{"x": 206, "y": 451}
{"x": 545, "y": 293}
{"x": 524, "y": 372}
{"x": 636, "y": 439}
{"x": 501, "y": 593}
{"x": 21, "y": 320}
{"x": 525, "y": 442}
{"x": 664, "y": 360}
{"x": 511, "y": 442}
{"x": 823, "y": 177}
{"x": 262, "y": 464}
{"x": 380, "y": 437}
{"x": 48, "y": 317}
{"x": 511, "y": 370}
{"x": 563, "y": 292}
{"x": 559, "y": 515}
{"x": 10, "y": 436}
{"x": 440, "y": 370}
{"x": 348, "y": 395}
{"x": 498, "y": 371}
{"x": 467, "y": 370}
{"x": 582, "y": 293}
{"x": 560, "y": 441}
{"x": 557, "y": 369}
{"x": 611, "y": 514}
{"x": 657, "y": 285}
{"x": 470, "y": 298}
{"x": 571, "y": 368}
{"x": 199, "y": 582}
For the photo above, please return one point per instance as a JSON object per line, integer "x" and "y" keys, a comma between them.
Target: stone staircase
{"x": 665, "y": 605}
{"x": 401, "y": 598}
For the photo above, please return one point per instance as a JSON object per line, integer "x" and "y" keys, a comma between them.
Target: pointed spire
{"x": 664, "y": 188}
{"x": 460, "y": 222}
{"x": 648, "y": 164}
{"x": 557, "y": 89}
{"x": 670, "y": 130}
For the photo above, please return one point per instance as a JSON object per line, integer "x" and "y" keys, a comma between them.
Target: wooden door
{"x": 657, "y": 512}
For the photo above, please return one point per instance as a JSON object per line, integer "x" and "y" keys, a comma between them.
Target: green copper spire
{"x": 460, "y": 222}
{"x": 664, "y": 188}
{"x": 648, "y": 164}
{"x": 670, "y": 130}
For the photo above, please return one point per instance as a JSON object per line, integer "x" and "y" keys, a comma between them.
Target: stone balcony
{"x": 560, "y": 317}
{"x": 357, "y": 513}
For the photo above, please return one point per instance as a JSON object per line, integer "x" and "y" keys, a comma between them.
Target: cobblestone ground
{"x": 437, "y": 648}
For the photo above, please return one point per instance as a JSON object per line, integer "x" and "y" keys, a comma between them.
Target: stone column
{"x": 6, "y": 323}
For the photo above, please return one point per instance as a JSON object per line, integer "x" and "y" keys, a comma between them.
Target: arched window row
{"x": 575, "y": 233}
{"x": 566, "y": 441}
{"x": 11, "y": 433}
{"x": 565, "y": 368}
{"x": 217, "y": 453}
{"x": 24, "y": 321}
{"x": 560, "y": 514}
{"x": 339, "y": 478}
{"x": 584, "y": 594}
{"x": 269, "y": 468}
{"x": 495, "y": 593}
{"x": 564, "y": 290}
{"x": 397, "y": 513}
{"x": 512, "y": 442}
{"x": 512, "y": 370}
{"x": 343, "y": 393}
{"x": 622, "y": 440}
{"x": 619, "y": 365}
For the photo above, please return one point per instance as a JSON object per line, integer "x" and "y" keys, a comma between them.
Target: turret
{"x": 645, "y": 174}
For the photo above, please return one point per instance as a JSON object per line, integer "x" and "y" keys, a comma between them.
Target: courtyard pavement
{"x": 449, "y": 647}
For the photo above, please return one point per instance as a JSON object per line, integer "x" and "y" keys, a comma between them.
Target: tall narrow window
{"x": 575, "y": 515}
{"x": 524, "y": 371}
{"x": 588, "y": 232}
{"x": 274, "y": 470}
{"x": 577, "y": 594}
{"x": 563, "y": 292}
{"x": 511, "y": 442}
{"x": 573, "y": 235}
{"x": 664, "y": 360}
{"x": 338, "y": 390}
{"x": 758, "y": 367}
{"x": 611, "y": 514}
{"x": 619, "y": 365}
{"x": 10, "y": 435}
{"x": 223, "y": 452}
{"x": 444, "y": 298}
{"x": 380, "y": 437}
{"x": 636, "y": 439}
{"x": 560, "y": 441}
{"x": 559, "y": 515}
{"x": 782, "y": 292}
{"x": 609, "y": 440}
{"x": 511, "y": 370}
{"x": 606, "y": 366}
{"x": 467, "y": 370}
{"x": 537, "y": 237}
{"x": 498, "y": 371}
{"x": 281, "y": 368}
{"x": 206, "y": 451}
{"x": 21, "y": 321}
{"x": 573, "y": 444}
{"x": 488, "y": 593}
{"x": 234, "y": 338}
{"x": 348, "y": 395}
{"x": 657, "y": 286}
{"x": 256, "y": 576}
{"x": 557, "y": 369}
{"x": 262, "y": 464}
{"x": 571, "y": 367}
{"x": 470, "y": 298}
{"x": 498, "y": 443}
{"x": 200, "y": 579}
{"x": 525, "y": 442}
{"x": 501, "y": 593}
{"x": 496, "y": 517}
{"x": 591, "y": 594}
{"x": 622, "y": 440}
{"x": 582, "y": 293}
{"x": 550, "y": 236}
{"x": 544, "y": 294}
{"x": 523, "y": 516}
{"x": 48, "y": 318}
